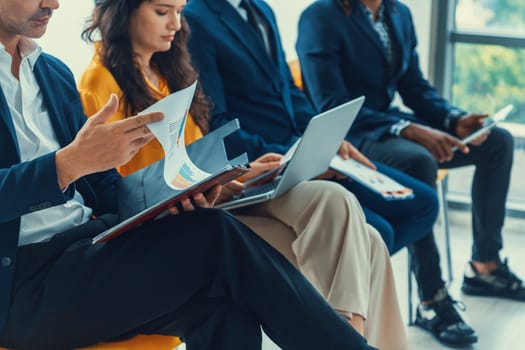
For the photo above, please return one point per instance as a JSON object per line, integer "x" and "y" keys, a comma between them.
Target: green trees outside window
{"x": 486, "y": 77}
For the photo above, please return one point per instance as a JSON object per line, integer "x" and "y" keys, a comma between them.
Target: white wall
{"x": 63, "y": 36}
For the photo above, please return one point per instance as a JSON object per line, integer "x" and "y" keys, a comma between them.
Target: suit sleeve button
{"x": 6, "y": 261}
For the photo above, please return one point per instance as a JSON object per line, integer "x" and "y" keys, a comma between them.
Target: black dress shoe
{"x": 442, "y": 319}
{"x": 501, "y": 283}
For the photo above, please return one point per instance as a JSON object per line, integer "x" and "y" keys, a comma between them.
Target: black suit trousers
{"x": 493, "y": 163}
{"x": 202, "y": 276}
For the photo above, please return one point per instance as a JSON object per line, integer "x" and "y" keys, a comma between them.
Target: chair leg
{"x": 409, "y": 291}
{"x": 448, "y": 251}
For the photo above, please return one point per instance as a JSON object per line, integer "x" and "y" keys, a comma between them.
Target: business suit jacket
{"x": 31, "y": 186}
{"x": 342, "y": 57}
{"x": 243, "y": 80}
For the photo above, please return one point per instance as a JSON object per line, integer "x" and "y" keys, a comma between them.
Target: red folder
{"x": 228, "y": 174}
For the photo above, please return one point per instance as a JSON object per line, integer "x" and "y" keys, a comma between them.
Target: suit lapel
{"x": 46, "y": 82}
{"x": 397, "y": 35}
{"x": 5, "y": 115}
{"x": 274, "y": 37}
{"x": 245, "y": 34}
{"x": 278, "y": 76}
{"x": 362, "y": 21}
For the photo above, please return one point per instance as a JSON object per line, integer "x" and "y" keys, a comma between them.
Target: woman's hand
{"x": 199, "y": 200}
{"x": 261, "y": 165}
{"x": 230, "y": 190}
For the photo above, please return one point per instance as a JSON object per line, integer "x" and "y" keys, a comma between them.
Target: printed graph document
{"x": 179, "y": 170}
{"x": 373, "y": 179}
{"x": 182, "y": 178}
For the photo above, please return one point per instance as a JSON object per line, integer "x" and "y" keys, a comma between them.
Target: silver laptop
{"x": 311, "y": 156}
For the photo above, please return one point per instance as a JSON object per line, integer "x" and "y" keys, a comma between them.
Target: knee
{"x": 384, "y": 229}
{"x": 426, "y": 198}
{"x": 424, "y": 167}
{"x": 500, "y": 145}
{"x": 377, "y": 244}
{"x": 335, "y": 196}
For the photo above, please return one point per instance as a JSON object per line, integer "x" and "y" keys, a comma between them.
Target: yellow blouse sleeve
{"x": 96, "y": 86}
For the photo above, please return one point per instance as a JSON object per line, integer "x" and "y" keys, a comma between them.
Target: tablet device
{"x": 489, "y": 124}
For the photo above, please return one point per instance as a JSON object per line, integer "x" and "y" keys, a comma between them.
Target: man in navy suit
{"x": 349, "y": 48}
{"x": 237, "y": 50}
{"x": 196, "y": 275}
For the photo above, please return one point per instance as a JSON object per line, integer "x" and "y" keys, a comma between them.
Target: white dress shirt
{"x": 36, "y": 137}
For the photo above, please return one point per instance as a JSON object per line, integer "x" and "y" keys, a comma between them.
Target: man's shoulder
{"x": 55, "y": 65}
{"x": 199, "y": 16}
{"x": 401, "y": 8}
{"x": 196, "y": 7}
{"x": 55, "y": 77}
{"x": 323, "y": 5}
{"x": 321, "y": 9}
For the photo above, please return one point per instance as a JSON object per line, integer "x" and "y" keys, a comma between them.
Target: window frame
{"x": 445, "y": 36}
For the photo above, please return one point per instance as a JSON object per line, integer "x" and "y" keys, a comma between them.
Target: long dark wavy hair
{"x": 349, "y": 5}
{"x": 111, "y": 20}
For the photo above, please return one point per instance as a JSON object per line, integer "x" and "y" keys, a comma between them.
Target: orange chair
{"x": 295, "y": 69}
{"x": 140, "y": 342}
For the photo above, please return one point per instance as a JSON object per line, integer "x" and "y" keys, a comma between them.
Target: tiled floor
{"x": 500, "y": 324}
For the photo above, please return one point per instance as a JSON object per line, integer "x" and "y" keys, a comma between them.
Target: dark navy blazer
{"x": 342, "y": 58}
{"x": 243, "y": 80}
{"x": 31, "y": 186}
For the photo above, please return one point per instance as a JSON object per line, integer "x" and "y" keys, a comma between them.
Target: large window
{"x": 506, "y": 17}
{"x": 480, "y": 60}
{"x": 486, "y": 77}
{"x": 489, "y": 56}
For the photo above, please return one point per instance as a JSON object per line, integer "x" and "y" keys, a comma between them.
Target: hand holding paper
{"x": 186, "y": 187}
{"x": 179, "y": 170}
{"x": 373, "y": 179}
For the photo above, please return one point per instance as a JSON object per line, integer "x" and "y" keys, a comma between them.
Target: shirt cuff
{"x": 398, "y": 127}
{"x": 451, "y": 119}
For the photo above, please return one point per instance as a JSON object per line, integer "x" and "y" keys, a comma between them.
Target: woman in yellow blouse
{"x": 318, "y": 225}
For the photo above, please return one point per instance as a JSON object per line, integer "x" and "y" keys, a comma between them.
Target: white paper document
{"x": 179, "y": 170}
{"x": 373, "y": 179}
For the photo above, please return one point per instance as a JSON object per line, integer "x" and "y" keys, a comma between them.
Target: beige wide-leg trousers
{"x": 320, "y": 227}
